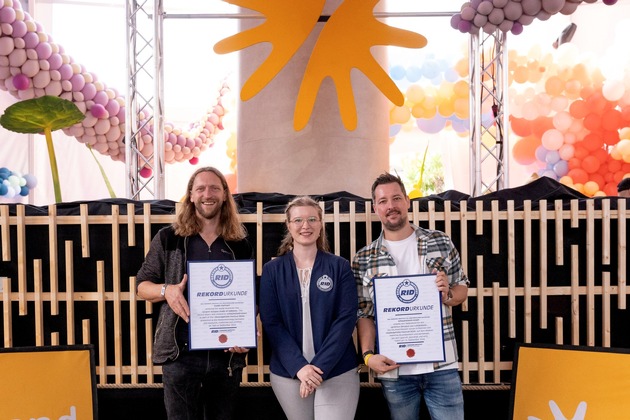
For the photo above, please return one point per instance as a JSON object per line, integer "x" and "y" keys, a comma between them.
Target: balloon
{"x": 397, "y": 72}
{"x": 524, "y": 150}
{"x": 552, "y": 139}
{"x": 561, "y": 168}
{"x": 590, "y": 164}
{"x": 432, "y": 126}
{"x": 613, "y": 90}
{"x": 579, "y": 176}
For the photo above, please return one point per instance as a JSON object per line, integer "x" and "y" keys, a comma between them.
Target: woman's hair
{"x": 230, "y": 226}
{"x": 287, "y": 242}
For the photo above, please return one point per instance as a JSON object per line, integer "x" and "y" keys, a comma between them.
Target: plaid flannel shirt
{"x": 374, "y": 260}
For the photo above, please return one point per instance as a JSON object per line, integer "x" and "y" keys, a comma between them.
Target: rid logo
{"x": 407, "y": 291}
{"x": 221, "y": 276}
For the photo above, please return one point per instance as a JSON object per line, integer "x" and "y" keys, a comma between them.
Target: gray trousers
{"x": 335, "y": 399}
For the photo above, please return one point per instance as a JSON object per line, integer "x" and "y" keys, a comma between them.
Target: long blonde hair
{"x": 287, "y": 242}
{"x": 187, "y": 223}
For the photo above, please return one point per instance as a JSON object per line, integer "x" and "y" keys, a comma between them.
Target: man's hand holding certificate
{"x": 409, "y": 318}
{"x": 222, "y": 301}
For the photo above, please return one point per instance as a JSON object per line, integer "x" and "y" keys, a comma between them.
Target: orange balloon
{"x": 611, "y": 119}
{"x": 593, "y": 141}
{"x": 590, "y": 164}
{"x": 460, "y": 89}
{"x": 520, "y": 126}
{"x": 575, "y": 163}
{"x": 614, "y": 165}
{"x": 554, "y": 86}
{"x": 579, "y": 176}
{"x": 610, "y": 189}
{"x": 580, "y": 152}
{"x": 524, "y": 151}
{"x": 578, "y": 109}
{"x": 610, "y": 137}
{"x": 540, "y": 125}
{"x": 601, "y": 155}
{"x": 521, "y": 74}
{"x": 598, "y": 179}
{"x": 593, "y": 121}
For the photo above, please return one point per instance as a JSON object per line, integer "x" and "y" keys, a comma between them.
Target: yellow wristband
{"x": 367, "y": 358}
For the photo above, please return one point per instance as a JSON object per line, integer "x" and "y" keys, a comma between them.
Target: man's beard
{"x": 395, "y": 226}
{"x": 208, "y": 214}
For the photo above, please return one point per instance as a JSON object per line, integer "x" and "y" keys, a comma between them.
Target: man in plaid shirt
{"x": 406, "y": 249}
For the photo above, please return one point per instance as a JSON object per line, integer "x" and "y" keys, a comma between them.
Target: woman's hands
{"x": 310, "y": 378}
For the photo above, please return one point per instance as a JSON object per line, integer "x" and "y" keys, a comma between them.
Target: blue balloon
{"x": 541, "y": 154}
{"x": 24, "y": 191}
{"x": 552, "y": 156}
{"x": 432, "y": 126}
{"x": 3, "y": 189}
{"x": 394, "y": 129}
{"x": 561, "y": 168}
{"x": 414, "y": 73}
{"x": 397, "y": 72}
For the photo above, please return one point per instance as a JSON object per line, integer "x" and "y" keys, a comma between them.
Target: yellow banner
{"x": 48, "y": 383}
{"x": 571, "y": 383}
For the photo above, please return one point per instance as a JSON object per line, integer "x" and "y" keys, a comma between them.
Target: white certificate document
{"x": 222, "y": 301}
{"x": 409, "y": 318}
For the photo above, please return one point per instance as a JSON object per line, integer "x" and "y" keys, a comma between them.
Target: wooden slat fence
{"x": 552, "y": 273}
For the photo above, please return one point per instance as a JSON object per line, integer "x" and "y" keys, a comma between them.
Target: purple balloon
{"x": 30, "y": 39}
{"x": 464, "y": 26}
{"x": 7, "y": 15}
{"x": 455, "y": 19}
{"x": 609, "y": 2}
{"x": 517, "y": 28}
{"x": 89, "y": 90}
{"x": 55, "y": 61}
{"x": 21, "y": 82}
{"x": 99, "y": 111}
{"x": 19, "y": 29}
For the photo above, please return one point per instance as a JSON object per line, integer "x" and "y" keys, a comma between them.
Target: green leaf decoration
{"x": 43, "y": 115}
{"x": 35, "y": 115}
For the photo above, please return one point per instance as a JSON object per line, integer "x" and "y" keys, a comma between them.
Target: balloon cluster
{"x": 436, "y": 96}
{"x": 33, "y": 65}
{"x": 574, "y": 125}
{"x": 510, "y": 15}
{"x": 13, "y": 184}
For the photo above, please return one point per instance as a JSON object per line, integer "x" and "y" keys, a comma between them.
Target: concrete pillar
{"x": 322, "y": 158}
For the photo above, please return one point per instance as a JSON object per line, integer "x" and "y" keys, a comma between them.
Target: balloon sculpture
{"x": 14, "y": 184}
{"x": 33, "y": 65}
{"x": 510, "y": 15}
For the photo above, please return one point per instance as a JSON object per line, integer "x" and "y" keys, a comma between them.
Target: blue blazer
{"x": 333, "y": 303}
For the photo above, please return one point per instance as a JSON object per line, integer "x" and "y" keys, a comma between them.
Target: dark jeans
{"x": 199, "y": 386}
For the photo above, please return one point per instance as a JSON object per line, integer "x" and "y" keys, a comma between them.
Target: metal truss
{"x": 489, "y": 146}
{"x": 144, "y": 116}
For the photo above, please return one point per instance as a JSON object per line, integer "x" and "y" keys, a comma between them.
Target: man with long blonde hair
{"x": 199, "y": 384}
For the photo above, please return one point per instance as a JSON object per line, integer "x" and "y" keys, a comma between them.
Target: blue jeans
{"x": 442, "y": 391}
{"x": 199, "y": 386}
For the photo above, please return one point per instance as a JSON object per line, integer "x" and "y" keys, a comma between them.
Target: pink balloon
{"x": 552, "y": 139}
{"x": 513, "y": 10}
{"x": 531, "y": 7}
{"x": 552, "y": 6}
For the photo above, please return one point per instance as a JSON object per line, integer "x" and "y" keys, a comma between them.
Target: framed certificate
{"x": 409, "y": 318}
{"x": 222, "y": 301}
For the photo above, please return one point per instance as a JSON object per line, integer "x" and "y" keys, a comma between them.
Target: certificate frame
{"x": 222, "y": 302}
{"x": 408, "y": 318}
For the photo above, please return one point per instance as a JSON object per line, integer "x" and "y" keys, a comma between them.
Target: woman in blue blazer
{"x": 308, "y": 308}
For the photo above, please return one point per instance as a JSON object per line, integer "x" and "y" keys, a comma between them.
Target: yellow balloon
{"x": 415, "y": 94}
{"x": 399, "y": 115}
{"x": 566, "y": 180}
{"x": 590, "y": 188}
